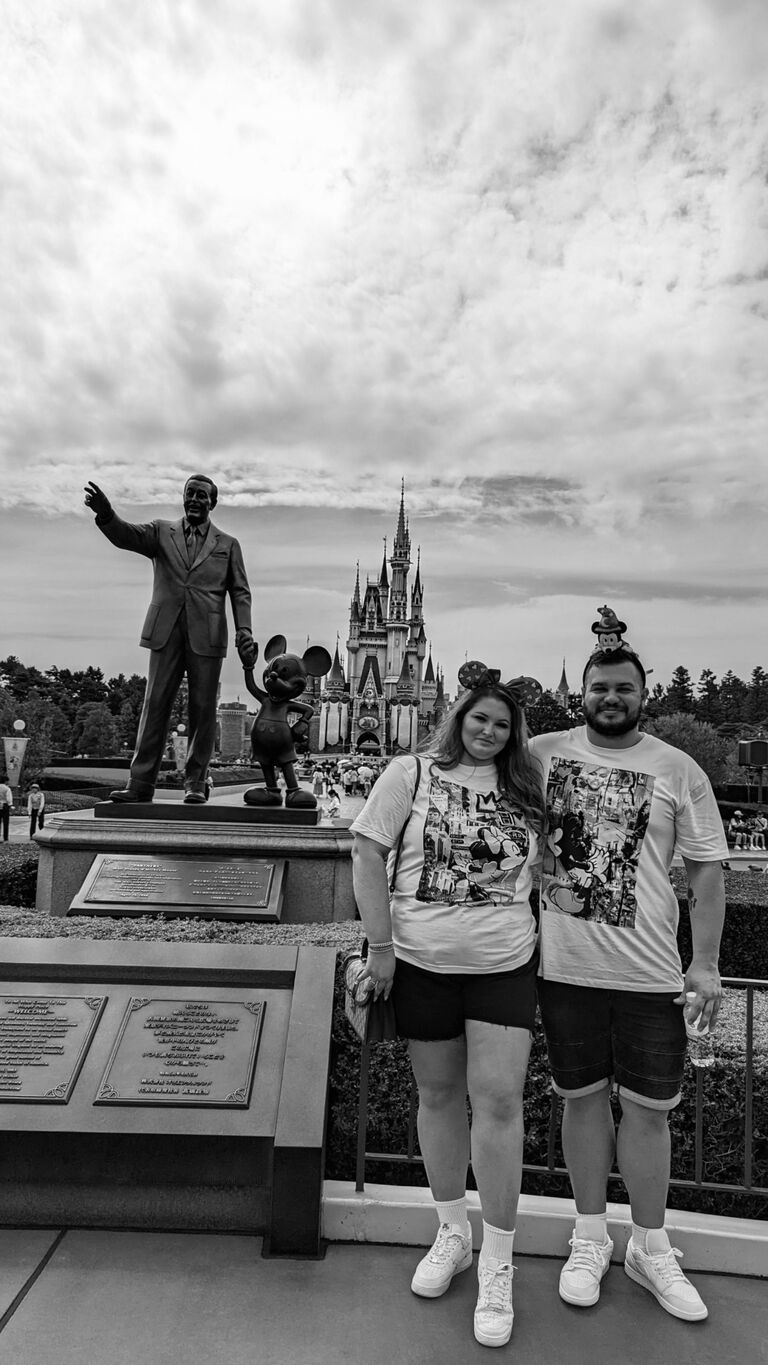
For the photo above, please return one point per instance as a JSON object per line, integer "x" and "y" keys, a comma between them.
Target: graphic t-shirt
{"x": 615, "y": 819}
{"x": 462, "y": 898}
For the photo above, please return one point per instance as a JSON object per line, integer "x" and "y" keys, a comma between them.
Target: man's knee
{"x": 643, "y": 1118}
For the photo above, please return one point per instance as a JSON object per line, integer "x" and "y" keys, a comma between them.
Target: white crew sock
{"x": 497, "y": 1243}
{"x": 650, "y": 1240}
{"x": 454, "y": 1211}
{"x": 592, "y": 1227}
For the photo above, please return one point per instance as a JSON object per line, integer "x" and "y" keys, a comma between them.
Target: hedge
{"x": 18, "y": 874}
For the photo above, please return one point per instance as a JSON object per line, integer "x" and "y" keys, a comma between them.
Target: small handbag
{"x": 371, "y": 1017}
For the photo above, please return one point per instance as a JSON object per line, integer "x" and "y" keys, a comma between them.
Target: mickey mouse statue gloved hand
{"x": 284, "y": 678}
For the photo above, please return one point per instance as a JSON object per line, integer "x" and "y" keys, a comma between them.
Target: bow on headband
{"x": 525, "y": 691}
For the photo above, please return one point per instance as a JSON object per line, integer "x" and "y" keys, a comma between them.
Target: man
{"x": 35, "y": 808}
{"x": 196, "y": 567}
{"x": 737, "y": 829}
{"x": 6, "y": 805}
{"x": 620, "y": 803}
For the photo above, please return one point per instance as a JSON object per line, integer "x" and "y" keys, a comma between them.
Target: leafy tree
{"x": 655, "y": 704}
{"x": 708, "y": 699}
{"x": 701, "y": 741}
{"x": 19, "y": 680}
{"x": 38, "y": 717}
{"x": 547, "y": 716}
{"x": 733, "y": 698}
{"x": 756, "y": 708}
{"x": 679, "y": 695}
{"x": 122, "y": 691}
{"x": 95, "y": 731}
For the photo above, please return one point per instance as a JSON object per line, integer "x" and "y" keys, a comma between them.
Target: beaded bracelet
{"x": 380, "y": 947}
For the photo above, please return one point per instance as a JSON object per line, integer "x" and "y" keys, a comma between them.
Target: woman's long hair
{"x": 518, "y": 771}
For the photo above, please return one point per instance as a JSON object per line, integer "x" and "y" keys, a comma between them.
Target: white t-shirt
{"x": 462, "y": 899}
{"x": 615, "y": 819}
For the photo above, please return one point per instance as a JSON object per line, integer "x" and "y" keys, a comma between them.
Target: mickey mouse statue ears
{"x": 609, "y": 630}
{"x": 524, "y": 691}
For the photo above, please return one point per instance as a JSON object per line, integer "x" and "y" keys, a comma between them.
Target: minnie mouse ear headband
{"x": 524, "y": 691}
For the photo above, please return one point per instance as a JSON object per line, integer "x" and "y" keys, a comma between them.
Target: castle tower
{"x": 398, "y": 622}
{"x": 561, "y": 691}
{"x": 387, "y": 650}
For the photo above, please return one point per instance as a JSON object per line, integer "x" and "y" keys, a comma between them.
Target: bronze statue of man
{"x": 196, "y": 567}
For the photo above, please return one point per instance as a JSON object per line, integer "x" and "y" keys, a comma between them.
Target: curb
{"x": 404, "y": 1215}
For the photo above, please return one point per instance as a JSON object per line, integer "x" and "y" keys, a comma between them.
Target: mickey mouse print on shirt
{"x": 474, "y": 847}
{"x": 597, "y": 818}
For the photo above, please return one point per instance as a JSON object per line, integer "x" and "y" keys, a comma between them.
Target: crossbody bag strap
{"x": 401, "y": 835}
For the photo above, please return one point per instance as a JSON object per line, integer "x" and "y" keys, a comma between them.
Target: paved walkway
{"x": 165, "y": 1298}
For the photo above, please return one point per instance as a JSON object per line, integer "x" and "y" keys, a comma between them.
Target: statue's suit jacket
{"x": 200, "y": 591}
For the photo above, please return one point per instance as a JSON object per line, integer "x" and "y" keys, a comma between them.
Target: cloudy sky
{"x": 514, "y": 251}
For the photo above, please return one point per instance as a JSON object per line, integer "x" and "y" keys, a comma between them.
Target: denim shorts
{"x": 635, "y": 1039}
{"x": 434, "y": 1006}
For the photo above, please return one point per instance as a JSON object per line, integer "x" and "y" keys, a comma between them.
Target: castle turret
{"x": 384, "y": 583}
{"x": 561, "y": 691}
{"x": 335, "y": 684}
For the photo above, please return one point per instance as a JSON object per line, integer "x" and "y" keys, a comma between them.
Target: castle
{"x": 389, "y": 699}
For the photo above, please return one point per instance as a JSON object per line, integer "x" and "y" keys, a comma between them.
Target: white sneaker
{"x": 493, "y": 1314}
{"x": 581, "y": 1276}
{"x": 661, "y": 1275}
{"x": 451, "y": 1252}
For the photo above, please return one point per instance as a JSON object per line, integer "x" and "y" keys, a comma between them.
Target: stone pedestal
{"x": 319, "y": 880}
{"x": 165, "y": 1086}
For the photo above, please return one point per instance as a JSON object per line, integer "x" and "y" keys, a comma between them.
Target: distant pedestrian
{"x": 333, "y": 804}
{"x": 208, "y": 786}
{"x": 757, "y": 837}
{"x": 364, "y": 779}
{"x": 6, "y": 806}
{"x": 35, "y": 808}
{"x": 318, "y": 782}
{"x": 737, "y": 829}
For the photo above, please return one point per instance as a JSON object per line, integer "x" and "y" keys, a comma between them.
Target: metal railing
{"x": 411, "y": 1158}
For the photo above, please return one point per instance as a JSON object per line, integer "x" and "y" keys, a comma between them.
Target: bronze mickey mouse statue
{"x": 285, "y": 678}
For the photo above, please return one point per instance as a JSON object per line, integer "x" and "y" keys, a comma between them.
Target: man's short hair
{"x": 605, "y": 658}
{"x": 203, "y": 478}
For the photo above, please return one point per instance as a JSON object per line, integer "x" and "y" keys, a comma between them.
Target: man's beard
{"x": 614, "y": 722}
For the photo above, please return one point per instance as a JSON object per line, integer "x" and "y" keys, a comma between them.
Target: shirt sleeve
{"x": 389, "y": 804}
{"x": 699, "y": 833}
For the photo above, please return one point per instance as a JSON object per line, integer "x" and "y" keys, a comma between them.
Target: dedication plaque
{"x": 43, "y": 1042}
{"x": 135, "y": 884}
{"x": 184, "y": 1052}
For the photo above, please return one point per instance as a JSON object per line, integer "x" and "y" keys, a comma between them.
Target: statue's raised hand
{"x": 97, "y": 501}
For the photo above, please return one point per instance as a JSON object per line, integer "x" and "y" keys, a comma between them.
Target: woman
{"x": 455, "y": 946}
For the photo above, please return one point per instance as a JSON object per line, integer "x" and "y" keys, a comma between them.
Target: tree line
{"x": 79, "y": 711}
{"x": 73, "y": 711}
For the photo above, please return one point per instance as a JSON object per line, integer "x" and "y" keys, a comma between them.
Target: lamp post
{"x": 15, "y": 746}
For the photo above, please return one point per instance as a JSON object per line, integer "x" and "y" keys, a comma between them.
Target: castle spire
{"x": 384, "y": 576}
{"x": 402, "y": 547}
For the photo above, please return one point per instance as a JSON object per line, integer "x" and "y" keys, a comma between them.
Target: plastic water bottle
{"x": 700, "y": 1049}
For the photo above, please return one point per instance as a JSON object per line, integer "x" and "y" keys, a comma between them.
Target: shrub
{"x": 18, "y": 874}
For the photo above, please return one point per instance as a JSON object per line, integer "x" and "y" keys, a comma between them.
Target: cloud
{"x": 517, "y": 253}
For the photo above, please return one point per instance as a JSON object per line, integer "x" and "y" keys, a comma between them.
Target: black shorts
{"x": 595, "y": 1037}
{"x": 434, "y": 1006}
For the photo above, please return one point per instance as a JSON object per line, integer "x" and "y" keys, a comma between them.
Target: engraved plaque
{"x": 127, "y": 883}
{"x": 184, "y": 1052}
{"x": 43, "y": 1042}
